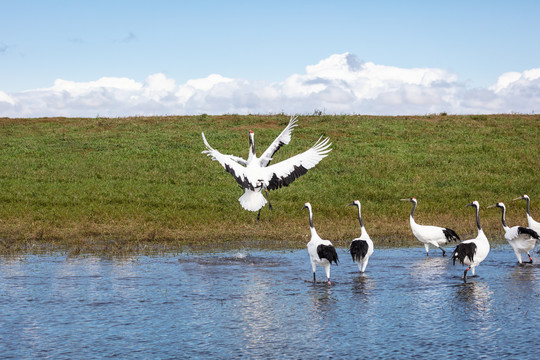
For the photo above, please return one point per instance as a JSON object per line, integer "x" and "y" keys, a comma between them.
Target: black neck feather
{"x": 360, "y": 218}
{"x": 478, "y": 218}
{"x": 503, "y": 217}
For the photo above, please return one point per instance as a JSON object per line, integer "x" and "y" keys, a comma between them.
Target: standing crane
{"x": 430, "y": 235}
{"x": 361, "y": 247}
{"x": 533, "y": 224}
{"x": 521, "y": 239}
{"x": 472, "y": 252}
{"x": 321, "y": 252}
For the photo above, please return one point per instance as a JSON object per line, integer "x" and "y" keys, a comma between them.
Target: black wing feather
{"x": 450, "y": 235}
{"x": 281, "y": 143}
{"x": 462, "y": 251}
{"x": 528, "y": 231}
{"x": 359, "y": 249}
{"x": 327, "y": 252}
{"x": 277, "y": 182}
{"x": 244, "y": 183}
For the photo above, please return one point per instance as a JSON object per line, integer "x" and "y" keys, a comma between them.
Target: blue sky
{"x": 265, "y": 45}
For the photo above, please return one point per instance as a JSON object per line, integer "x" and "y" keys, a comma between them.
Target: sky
{"x": 133, "y": 58}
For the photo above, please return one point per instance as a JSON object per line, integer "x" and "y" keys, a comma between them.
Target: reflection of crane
{"x": 321, "y": 252}
{"x": 428, "y": 234}
{"x": 521, "y": 239}
{"x": 255, "y": 174}
{"x": 533, "y": 224}
{"x": 472, "y": 252}
{"x": 362, "y": 247}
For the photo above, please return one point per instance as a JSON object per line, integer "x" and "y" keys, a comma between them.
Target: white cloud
{"x": 341, "y": 83}
{"x": 5, "y": 98}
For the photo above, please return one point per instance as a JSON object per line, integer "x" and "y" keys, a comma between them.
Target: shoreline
{"x": 126, "y": 184}
{"x": 120, "y": 248}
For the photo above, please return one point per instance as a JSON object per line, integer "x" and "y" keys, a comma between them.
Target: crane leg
{"x": 530, "y": 259}
{"x": 268, "y": 198}
{"x": 259, "y": 215}
{"x": 443, "y": 252}
{"x": 465, "y": 275}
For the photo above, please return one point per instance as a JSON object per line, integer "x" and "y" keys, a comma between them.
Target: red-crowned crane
{"x": 533, "y": 224}
{"x": 361, "y": 247}
{"x": 256, "y": 174}
{"x": 428, "y": 234}
{"x": 522, "y": 239}
{"x": 472, "y": 252}
{"x": 321, "y": 252}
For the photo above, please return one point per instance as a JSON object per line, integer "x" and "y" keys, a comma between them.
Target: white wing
{"x": 230, "y": 163}
{"x": 283, "y": 139}
{"x": 285, "y": 172}
{"x": 238, "y": 159}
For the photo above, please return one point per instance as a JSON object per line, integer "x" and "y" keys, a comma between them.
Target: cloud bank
{"x": 339, "y": 84}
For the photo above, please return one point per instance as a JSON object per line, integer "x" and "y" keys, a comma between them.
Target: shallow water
{"x": 263, "y": 305}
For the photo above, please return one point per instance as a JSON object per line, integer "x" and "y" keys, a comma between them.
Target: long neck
{"x": 503, "y": 218}
{"x": 311, "y": 227}
{"x": 478, "y": 218}
{"x": 311, "y": 220}
{"x": 528, "y": 206}
{"x": 360, "y": 218}
{"x": 412, "y": 211}
{"x": 251, "y": 147}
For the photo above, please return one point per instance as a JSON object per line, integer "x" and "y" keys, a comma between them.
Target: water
{"x": 262, "y": 305}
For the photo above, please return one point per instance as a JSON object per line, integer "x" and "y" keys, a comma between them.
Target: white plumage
{"x": 429, "y": 234}
{"x": 256, "y": 174}
{"x": 361, "y": 248}
{"x": 521, "y": 239}
{"x": 533, "y": 224}
{"x": 321, "y": 252}
{"x": 472, "y": 252}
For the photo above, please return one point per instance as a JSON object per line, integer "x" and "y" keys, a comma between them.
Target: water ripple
{"x": 264, "y": 305}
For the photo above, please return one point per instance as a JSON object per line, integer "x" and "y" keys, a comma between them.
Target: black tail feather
{"x": 327, "y": 252}
{"x": 451, "y": 235}
{"x": 359, "y": 249}
{"x": 462, "y": 251}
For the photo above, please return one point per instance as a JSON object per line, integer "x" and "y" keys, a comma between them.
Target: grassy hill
{"x": 142, "y": 183}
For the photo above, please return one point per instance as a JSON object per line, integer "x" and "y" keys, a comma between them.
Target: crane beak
{"x": 491, "y": 206}
{"x": 471, "y": 204}
{"x": 405, "y": 199}
{"x": 305, "y": 207}
{"x": 349, "y": 204}
{"x": 519, "y": 198}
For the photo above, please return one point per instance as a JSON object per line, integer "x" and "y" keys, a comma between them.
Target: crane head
{"x": 499, "y": 205}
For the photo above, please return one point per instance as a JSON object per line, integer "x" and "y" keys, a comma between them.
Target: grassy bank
{"x": 138, "y": 183}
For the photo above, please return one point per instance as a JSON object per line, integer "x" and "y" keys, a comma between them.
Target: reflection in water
{"x": 239, "y": 305}
{"x": 524, "y": 273}
{"x": 429, "y": 267}
{"x": 258, "y": 318}
{"x": 321, "y": 297}
{"x": 477, "y": 312}
{"x": 475, "y": 298}
{"x": 362, "y": 286}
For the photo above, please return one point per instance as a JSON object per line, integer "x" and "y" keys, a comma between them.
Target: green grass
{"x": 140, "y": 183}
